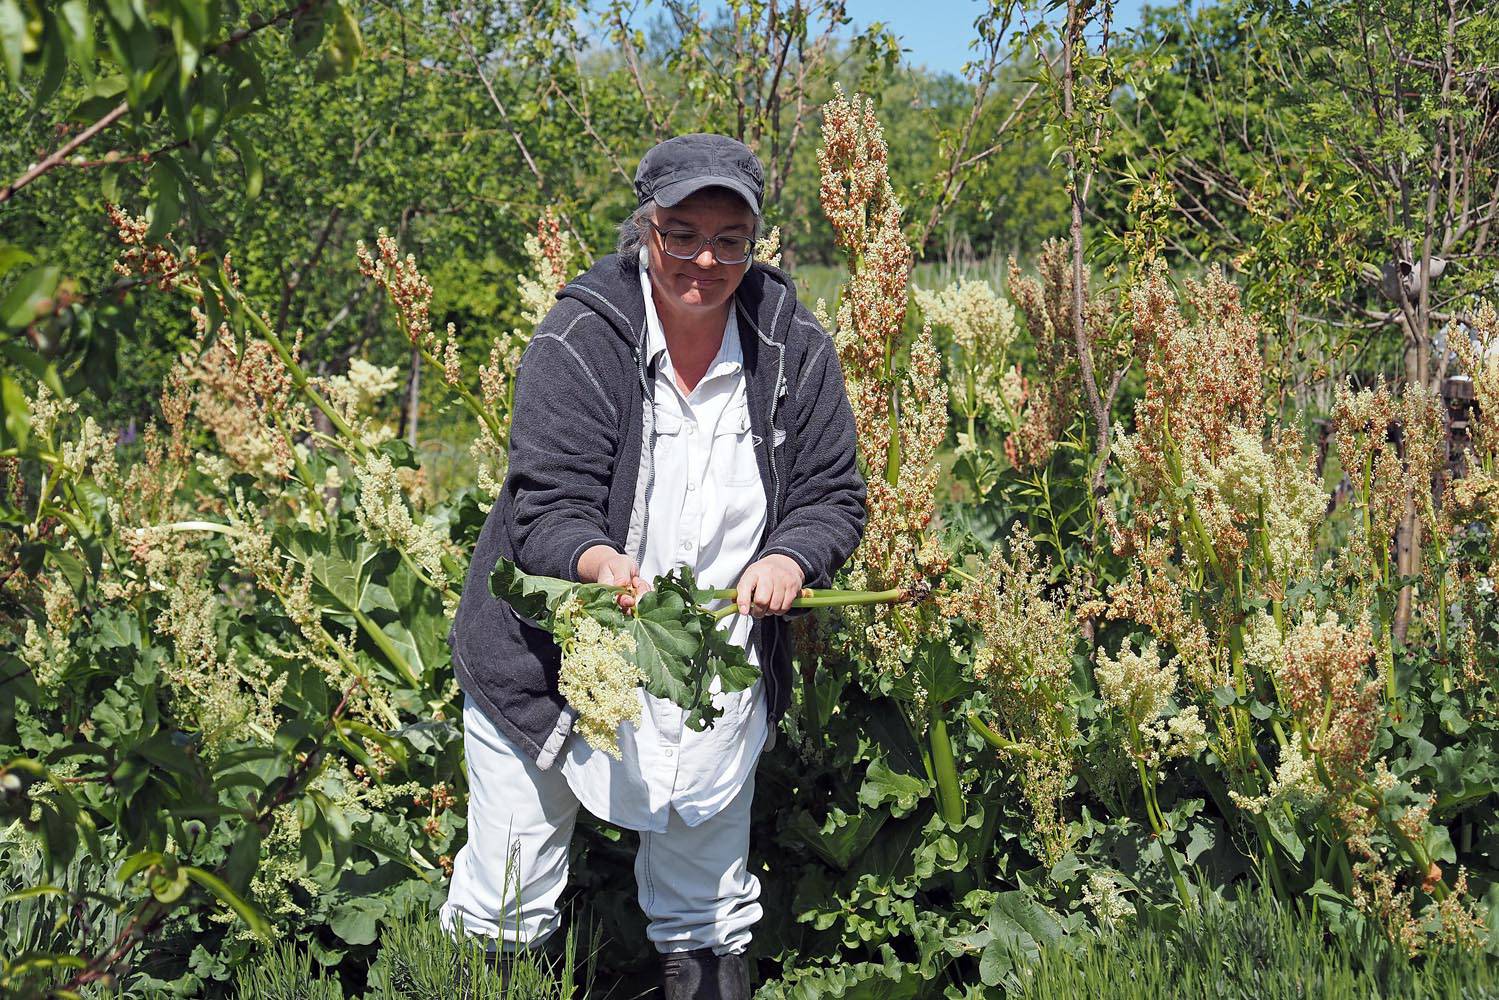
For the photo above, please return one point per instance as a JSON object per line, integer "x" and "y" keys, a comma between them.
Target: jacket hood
{"x": 611, "y": 288}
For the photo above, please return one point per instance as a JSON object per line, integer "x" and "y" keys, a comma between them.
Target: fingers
{"x": 622, "y": 571}
{"x": 785, "y": 594}
{"x": 745, "y": 592}
{"x": 765, "y": 588}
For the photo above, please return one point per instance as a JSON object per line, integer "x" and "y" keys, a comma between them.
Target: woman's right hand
{"x": 604, "y": 564}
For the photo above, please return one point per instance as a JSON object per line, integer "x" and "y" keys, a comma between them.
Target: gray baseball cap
{"x": 675, "y": 168}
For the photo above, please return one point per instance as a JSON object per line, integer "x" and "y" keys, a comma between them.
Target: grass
{"x": 418, "y": 960}
{"x": 823, "y": 281}
{"x": 1250, "y": 948}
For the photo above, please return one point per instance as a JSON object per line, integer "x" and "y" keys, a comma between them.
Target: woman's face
{"x": 701, "y": 283}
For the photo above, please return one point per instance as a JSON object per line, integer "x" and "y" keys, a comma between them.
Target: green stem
{"x": 1158, "y": 824}
{"x": 945, "y": 770}
{"x": 819, "y": 599}
{"x": 474, "y": 404}
{"x": 1440, "y": 546}
{"x": 960, "y": 574}
{"x": 999, "y": 743}
{"x": 300, "y": 377}
{"x": 892, "y": 461}
{"x": 304, "y": 475}
{"x": 386, "y": 647}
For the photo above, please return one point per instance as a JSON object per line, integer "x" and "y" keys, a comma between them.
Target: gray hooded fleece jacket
{"x": 580, "y": 471}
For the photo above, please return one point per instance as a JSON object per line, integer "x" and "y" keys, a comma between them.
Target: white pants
{"x": 693, "y": 882}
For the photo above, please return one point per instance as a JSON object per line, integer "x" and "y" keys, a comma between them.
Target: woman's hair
{"x": 632, "y": 230}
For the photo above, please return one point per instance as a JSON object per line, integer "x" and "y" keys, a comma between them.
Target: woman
{"x": 677, "y": 407}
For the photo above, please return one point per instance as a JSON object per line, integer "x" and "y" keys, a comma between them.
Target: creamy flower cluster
{"x": 1028, "y": 631}
{"x": 983, "y": 329}
{"x": 1296, "y": 783}
{"x": 357, "y": 395}
{"x": 1324, "y": 677}
{"x": 1140, "y": 687}
{"x": 1196, "y": 452}
{"x": 385, "y": 519}
{"x": 48, "y": 649}
{"x": 768, "y": 248}
{"x": 1102, "y": 895}
{"x": 598, "y": 678}
{"x": 247, "y": 400}
{"x": 1253, "y": 481}
{"x": 224, "y": 700}
{"x": 152, "y": 263}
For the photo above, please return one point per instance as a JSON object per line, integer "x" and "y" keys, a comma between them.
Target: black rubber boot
{"x": 701, "y": 975}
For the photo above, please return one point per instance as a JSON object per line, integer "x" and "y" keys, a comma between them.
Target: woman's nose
{"x": 705, "y": 258}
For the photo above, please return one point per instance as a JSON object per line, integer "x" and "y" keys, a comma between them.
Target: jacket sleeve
{"x": 823, "y": 517}
{"x": 564, "y": 436}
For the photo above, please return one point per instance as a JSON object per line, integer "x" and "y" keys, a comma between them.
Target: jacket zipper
{"x": 775, "y": 476}
{"x": 650, "y": 476}
{"x": 767, "y": 669}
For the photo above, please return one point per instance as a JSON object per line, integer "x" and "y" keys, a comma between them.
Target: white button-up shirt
{"x": 706, "y": 511}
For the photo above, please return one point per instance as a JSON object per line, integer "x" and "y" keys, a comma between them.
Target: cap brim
{"x": 672, "y": 194}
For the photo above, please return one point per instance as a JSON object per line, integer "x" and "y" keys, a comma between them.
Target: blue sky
{"x": 936, "y": 33}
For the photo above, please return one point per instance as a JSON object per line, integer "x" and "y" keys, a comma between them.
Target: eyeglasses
{"x": 684, "y": 244}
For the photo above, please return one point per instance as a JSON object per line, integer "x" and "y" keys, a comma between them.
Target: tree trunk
{"x": 1071, "y": 36}
{"x": 413, "y": 397}
{"x": 1417, "y": 372}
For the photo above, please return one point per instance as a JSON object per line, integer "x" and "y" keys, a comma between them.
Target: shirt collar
{"x": 730, "y": 356}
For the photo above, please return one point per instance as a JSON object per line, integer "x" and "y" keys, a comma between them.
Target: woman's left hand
{"x": 769, "y": 585}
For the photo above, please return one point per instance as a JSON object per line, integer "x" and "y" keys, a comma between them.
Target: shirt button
{"x": 691, "y": 487}
{"x": 669, "y": 751}
{"x": 686, "y": 545}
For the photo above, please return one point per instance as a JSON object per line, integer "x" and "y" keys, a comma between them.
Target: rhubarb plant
{"x": 669, "y": 642}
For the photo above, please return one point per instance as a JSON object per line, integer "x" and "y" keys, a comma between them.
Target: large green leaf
{"x": 12, "y": 39}
{"x": 166, "y": 200}
{"x": 1019, "y": 928}
{"x": 12, "y": 256}
{"x": 357, "y": 920}
{"x": 15, "y": 415}
{"x": 678, "y": 645}
{"x": 934, "y": 675}
{"x": 30, "y": 296}
{"x": 343, "y": 570}
{"x": 841, "y": 837}
{"x": 533, "y": 597}
{"x": 681, "y": 649}
{"x": 882, "y": 785}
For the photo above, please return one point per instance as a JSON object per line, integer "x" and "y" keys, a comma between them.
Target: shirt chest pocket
{"x": 732, "y": 463}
